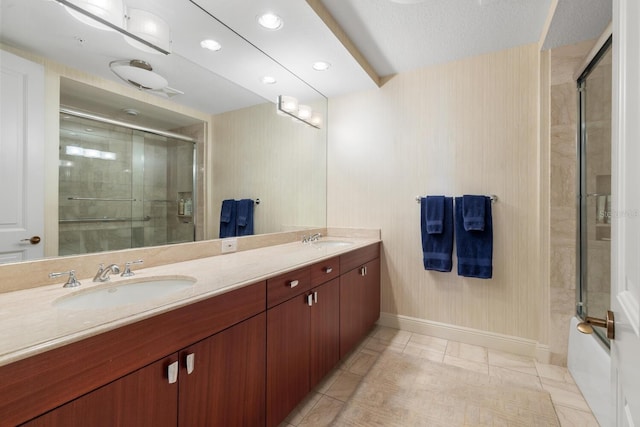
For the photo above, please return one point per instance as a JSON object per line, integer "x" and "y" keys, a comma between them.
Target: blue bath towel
{"x": 437, "y": 248}
{"x": 474, "y": 247}
{"x": 228, "y": 218}
{"x": 473, "y": 212}
{"x": 244, "y": 219}
{"x": 435, "y": 214}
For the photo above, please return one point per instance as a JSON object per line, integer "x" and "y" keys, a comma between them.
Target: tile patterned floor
{"x": 333, "y": 394}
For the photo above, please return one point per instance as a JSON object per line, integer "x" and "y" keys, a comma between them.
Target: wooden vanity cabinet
{"x": 302, "y": 336}
{"x": 359, "y": 295}
{"x": 121, "y": 377}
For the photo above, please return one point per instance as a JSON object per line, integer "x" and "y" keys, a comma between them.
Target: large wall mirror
{"x": 224, "y": 101}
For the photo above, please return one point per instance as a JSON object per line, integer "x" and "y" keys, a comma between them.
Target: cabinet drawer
{"x": 324, "y": 271}
{"x": 359, "y": 257}
{"x": 288, "y": 285}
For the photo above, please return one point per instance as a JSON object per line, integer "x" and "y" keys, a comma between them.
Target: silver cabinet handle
{"x": 363, "y": 271}
{"x": 190, "y": 361}
{"x": 328, "y": 270}
{"x": 293, "y": 283}
{"x": 172, "y": 372}
{"x": 315, "y": 297}
{"x": 310, "y": 300}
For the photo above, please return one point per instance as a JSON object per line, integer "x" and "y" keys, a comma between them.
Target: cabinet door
{"x": 325, "y": 330}
{"x": 371, "y": 294}
{"x": 142, "y": 398}
{"x": 287, "y": 357}
{"x": 351, "y": 310}
{"x": 222, "y": 378}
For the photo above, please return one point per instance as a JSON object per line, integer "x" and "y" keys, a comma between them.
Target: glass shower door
{"x": 594, "y": 88}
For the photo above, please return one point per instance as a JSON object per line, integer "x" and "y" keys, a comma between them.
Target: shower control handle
{"x": 586, "y": 327}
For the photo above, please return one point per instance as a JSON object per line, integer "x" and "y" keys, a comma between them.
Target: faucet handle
{"x": 127, "y": 268}
{"x": 72, "y": 281}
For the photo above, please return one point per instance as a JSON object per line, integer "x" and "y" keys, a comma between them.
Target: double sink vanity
{"x": 234, "y": 339}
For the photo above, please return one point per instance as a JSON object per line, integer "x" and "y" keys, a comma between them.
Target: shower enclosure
{"x": 594, "y": 241}
{"x": 121, "y": 187}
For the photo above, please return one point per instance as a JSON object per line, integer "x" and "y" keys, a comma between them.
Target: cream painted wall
{"x": 258, "y": 154}
{"x": 465, "y": 127}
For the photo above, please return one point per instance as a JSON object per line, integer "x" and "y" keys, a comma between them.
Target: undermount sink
{"x": 130, "y": 292}
{"x": 331, "y": 243}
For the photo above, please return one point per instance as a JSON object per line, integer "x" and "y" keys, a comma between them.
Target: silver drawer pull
{"x": 328, "y": 270}
{"x": 363, "y": 271}
{"x": 315, "y": 297}
{"x": 293, "y": 283}
{"x": 310, "y": 300}
{"x": 190, "y": 361}
{"x": 172, "y": 372}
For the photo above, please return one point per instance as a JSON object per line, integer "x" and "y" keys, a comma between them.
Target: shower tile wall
{"x": 86, "y": 177}
{"x": 147, "y": 168}
{"x": 563, "y": 180}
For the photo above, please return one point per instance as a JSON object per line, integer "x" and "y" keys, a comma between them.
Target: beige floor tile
{"x": 362, "y": 362}
{"x": 570, "y": 417}
{"x": 392, "y": 336}
{"x": 470, "y": 352}
{"x": 425, "y": 341}
{"x": 424, "y": 353}
{"x": 344, "y": 386}
{"x": 565, "y": 394}
{"x": 328, "y": 380}
{"x": 482, "y": 368}
{"x": 511, "y": 361}
{"x": 554, "y": 372}
{"x": 303, "y": 408}
{"x": 323, "y": 413}
{"x": 506, "y": 375}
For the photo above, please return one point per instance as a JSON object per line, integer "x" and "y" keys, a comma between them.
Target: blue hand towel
{"x": 244, "y": 221}
{"x": 437, "y": 248}
{"x": 474, "y": 247}
{"x": 435, "y": 214}
{"x": 228, "y": 218}
{"x": 473, "y": 212}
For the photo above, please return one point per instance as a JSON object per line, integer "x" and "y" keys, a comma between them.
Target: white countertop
{"x": 30, "y": 323}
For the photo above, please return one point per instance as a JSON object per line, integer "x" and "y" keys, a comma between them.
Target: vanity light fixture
{"x": 321, "y": 65}
{"x": 149, "y": 27}
{"x": 270, "y": 21}
{"x": 110, "y": 15}
{"x": 107, "y": 11}
{"x": 288, "y": 106}
{"x": 211, "y": 45}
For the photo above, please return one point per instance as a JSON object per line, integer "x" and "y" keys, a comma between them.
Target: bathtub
{"x": 589, "y": 362}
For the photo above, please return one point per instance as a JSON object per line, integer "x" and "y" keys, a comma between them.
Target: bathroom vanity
{"x": 240, "y": 352}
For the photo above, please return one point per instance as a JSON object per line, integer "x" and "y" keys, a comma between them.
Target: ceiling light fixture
{"x": 270, "y": 21}
{"x": 211, "y": 45}
{"x": 94, "y": 12}
{"x": 288, "y": 106}
{"x": 149, "y": 27}
{"x": 321, "y": 65}
{"x": 140, "y": 74}
{"x": 269, "y": 80}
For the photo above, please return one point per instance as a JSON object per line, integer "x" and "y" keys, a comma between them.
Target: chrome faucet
{"x": 103, "y": 272}
{"x": 315, "y": 237}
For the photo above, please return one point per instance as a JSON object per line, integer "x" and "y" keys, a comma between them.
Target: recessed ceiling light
{"x": 211, "y": 45}
{"x": 321, "y": 66}
{"x": 269, "y": 80}
{"x": 270, "y": 21}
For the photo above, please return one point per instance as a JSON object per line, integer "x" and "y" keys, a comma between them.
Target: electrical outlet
{"x": 229, "y": 245}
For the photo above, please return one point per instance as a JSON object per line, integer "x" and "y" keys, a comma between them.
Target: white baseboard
{"x": 507, "y": 343}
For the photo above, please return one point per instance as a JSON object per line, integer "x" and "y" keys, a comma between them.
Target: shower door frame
{"x": 581, "y": 190}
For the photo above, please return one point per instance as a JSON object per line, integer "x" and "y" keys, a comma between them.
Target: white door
{"x": 21, "y": 158}
{"x": 625, "y": 285}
